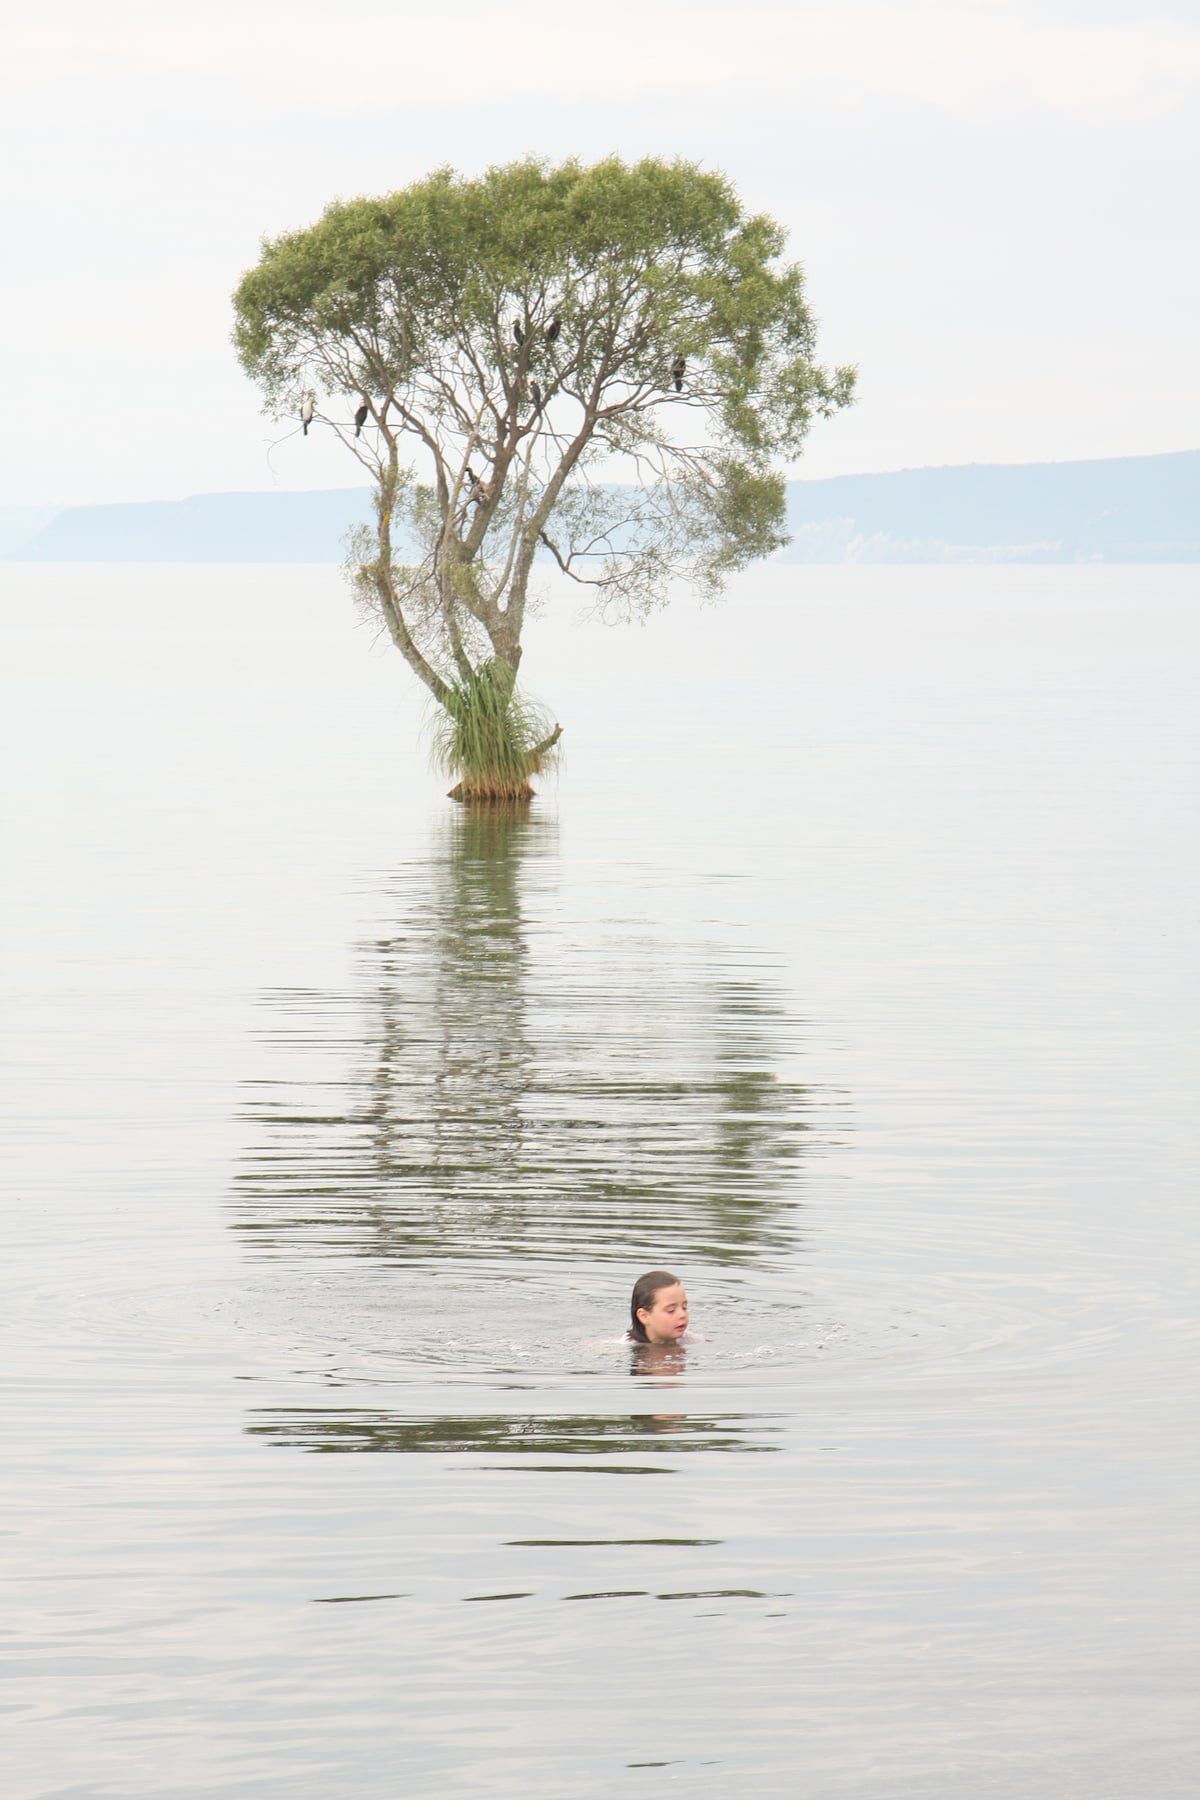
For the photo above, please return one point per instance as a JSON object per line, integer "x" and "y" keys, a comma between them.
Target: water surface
{"x": 849, "y": 969}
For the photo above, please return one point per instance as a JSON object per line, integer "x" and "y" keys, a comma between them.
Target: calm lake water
{"x": 849, "y": 969}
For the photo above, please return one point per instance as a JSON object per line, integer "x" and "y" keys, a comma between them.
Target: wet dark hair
{"x": 644, "y": 1290}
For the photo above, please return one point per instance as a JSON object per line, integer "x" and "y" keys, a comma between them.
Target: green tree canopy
{"x": 605, "y": 363}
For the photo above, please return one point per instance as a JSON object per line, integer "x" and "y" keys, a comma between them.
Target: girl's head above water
{"x": 658, "y": 1311}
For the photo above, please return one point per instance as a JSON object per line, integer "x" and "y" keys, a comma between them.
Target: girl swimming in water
{"x": 658, "y": 1311}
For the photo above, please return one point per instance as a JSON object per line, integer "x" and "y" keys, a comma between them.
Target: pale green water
{"x": 856, "y": 980}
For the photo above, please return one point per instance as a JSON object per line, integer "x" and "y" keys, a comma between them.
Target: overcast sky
{"x": 995, "y": 203}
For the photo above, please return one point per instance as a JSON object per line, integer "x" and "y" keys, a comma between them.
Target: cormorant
{"x": 306, "y": 413}
{"x": 677, "y": 372}
{"x": 361, "y": 417}
{"x": 553, "y": 329}
{"x": 536, "y": 391}
{"x": 518, "y": 333}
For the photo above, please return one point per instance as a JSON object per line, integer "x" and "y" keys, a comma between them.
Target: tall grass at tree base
{"x": 491, "y": 738}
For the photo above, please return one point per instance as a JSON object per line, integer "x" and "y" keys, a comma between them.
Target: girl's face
{"x": 665, "y": 1320}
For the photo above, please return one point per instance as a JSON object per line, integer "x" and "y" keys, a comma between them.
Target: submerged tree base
{"x": 492, "y": 794}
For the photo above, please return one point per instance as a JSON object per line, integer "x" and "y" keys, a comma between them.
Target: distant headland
{"x": 1128, "y": 509}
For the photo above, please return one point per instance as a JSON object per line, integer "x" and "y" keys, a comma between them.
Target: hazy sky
{"x": 995, "y": 203}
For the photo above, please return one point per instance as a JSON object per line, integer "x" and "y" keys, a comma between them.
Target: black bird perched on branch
{"x": 361, "y": 417}
{"x": 553, "y": 329}
{"x": 306, "y": 413}
{"x": 536, "y": 391}
{"x": 677, "y": 372}
{"x": 518, "y": 333}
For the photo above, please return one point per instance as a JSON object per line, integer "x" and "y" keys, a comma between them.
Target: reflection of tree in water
{"x": 494, "y": 1082}
{"x": 358, "y": 1429}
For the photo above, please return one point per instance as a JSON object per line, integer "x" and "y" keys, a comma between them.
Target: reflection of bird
{"x": 536, "y": 391}
{"x": 306, "y": 413}
{"x": 518, "y": 333}
{"x": 677, "y": 372}
{"x": 361, "y": 417}
{"x": 553, "y": 329}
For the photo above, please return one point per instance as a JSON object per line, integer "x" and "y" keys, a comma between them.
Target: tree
{"x": 602, "y": 364}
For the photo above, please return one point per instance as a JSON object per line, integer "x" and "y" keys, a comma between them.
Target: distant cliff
{"x": 1129, "y": 509}
{"x": 18, "y": 525}
{"x": 238, "y": 528}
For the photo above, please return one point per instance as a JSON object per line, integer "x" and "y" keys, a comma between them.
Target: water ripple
{"x": 495, "y": 1081}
